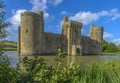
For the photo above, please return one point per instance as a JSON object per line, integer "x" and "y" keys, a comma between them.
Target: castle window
{"x": 26, "y": 30}
{"x": 78, "y": 50}
{"x": 94, "y": 46}
{"x": 26, "y": 20}
{"x": 38, "y": 42}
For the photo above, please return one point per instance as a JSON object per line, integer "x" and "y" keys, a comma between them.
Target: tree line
{"x": 109, "y": 47}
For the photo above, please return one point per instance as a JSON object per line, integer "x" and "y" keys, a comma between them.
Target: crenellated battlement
{"x": 28, "y": 13}
{"x": 33, "y": 39}
{"x": 75, "y": 24}
{"x": 32, "y": 14}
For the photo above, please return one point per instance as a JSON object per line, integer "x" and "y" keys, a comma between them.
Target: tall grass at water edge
{"x": 106, "y": 72}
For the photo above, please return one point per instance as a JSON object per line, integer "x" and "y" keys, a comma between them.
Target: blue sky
{"x": 104, "y": 13}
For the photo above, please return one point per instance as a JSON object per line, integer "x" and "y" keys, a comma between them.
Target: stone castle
{"x": 33, "y": 40}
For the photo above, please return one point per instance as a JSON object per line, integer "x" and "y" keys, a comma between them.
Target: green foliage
{"x": 3, "y": 23}
{"x": 8, "y": 74}
{"x": 38, "y": 71}
{"x": 61, "y": 54}
{"x": 109, "y": 47}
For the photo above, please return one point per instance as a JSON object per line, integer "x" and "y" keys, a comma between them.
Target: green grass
{"x": 117, "y": 53}
{"x": 9, "y": 45}
{"x": 9, "y": 49}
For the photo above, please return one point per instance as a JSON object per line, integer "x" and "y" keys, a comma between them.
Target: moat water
{"x": 52, "y": 60}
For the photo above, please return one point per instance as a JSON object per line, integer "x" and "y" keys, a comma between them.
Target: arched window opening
{"x": 26, "y": 30}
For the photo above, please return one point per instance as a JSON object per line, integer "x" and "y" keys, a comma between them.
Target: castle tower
{"x": 31, "y": 32}
{"x": 96, "y": 34}
{"x": 64, "y": 25}
{"x": 72, "y": 31}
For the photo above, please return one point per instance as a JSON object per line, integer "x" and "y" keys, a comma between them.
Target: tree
{"x": 3, "y": 23}
{"x": 8, "y": 74}
{"x": 109, "y": 47}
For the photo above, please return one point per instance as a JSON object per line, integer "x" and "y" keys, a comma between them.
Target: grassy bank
{"x": 8, "y": 45}
{"x": 111, "y": 53}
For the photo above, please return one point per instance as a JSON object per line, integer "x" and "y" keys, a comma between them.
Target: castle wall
{"x": 33, "y": 40}
{"x": 52, "y": 42}
{"x": 90, "y": 46}
{"x": 93, "y": 45}
{"x": 86, "y": 43}
{"x": 96, "y": 35}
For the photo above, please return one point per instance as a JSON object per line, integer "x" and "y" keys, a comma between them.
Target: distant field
{"x": 9, "y": 45}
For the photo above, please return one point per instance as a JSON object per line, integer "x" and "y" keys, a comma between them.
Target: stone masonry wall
{"x": 52, "y": 42}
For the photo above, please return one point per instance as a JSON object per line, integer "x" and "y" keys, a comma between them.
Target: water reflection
{"x": 79, "y": 60}
{"x": 83, "y": 60}
{"x": 13, "y": 56}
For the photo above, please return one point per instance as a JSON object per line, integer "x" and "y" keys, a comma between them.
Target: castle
{"x": 33, "y": 40}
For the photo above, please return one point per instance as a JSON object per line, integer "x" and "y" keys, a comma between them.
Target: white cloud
{"x": 115, "y": 17}
{"x": 64, "y": 13}
{"x": 103, "y": 13}
{"x": 38, "y": 5}
{"x": 85, "y": 17}
{"x": 15, "y": 22}
{"x": 15, "y": 19}
{"x": 116, "y": 41}
{"x": 55, "y": 2}
{"x": 107, "y": 35}
{"x": 89, "y": 17}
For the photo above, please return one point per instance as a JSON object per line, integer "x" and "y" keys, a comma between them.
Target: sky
{"x": 104, "y": 13}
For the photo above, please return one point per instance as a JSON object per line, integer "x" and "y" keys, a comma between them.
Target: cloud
{"x": 15, "y": 22}
{"x": 85, "y": 17}
{"x": 38, "y": 5}
{"x": 103, "y": 13}
{"x": 15, "y": 19}
{"x": 116, "y": 41}
{"x": 107, "y": 35}
{"x": 55, "y": 2}
{"x": 64, "y": 13}
{"x": 89, "y": 17}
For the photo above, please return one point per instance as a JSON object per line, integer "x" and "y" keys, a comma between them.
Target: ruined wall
{"x": 96, "y": 35}
{"x": 89, "y": 46}
{"x": 92, "y": 45}
{"x": 53, "y": 42}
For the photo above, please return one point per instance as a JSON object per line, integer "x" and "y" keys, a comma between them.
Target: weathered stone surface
{"x": 33, "y": 40}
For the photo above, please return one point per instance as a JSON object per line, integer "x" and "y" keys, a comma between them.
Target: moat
{"x": 79, "y": 60}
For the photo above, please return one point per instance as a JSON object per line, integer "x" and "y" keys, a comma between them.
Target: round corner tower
{"x": 31, "y": 33}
